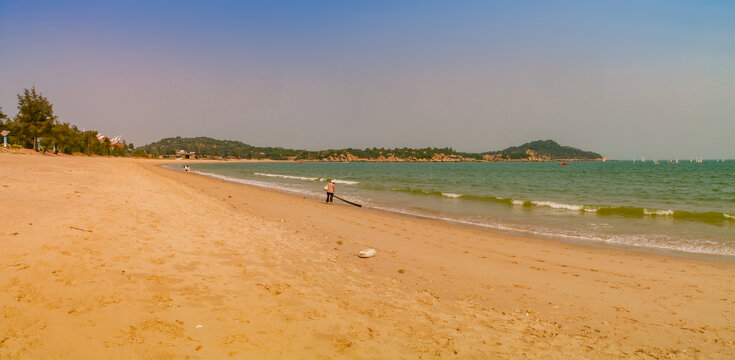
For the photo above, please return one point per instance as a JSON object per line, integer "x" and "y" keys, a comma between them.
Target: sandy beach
{"x": 113, "y": 258}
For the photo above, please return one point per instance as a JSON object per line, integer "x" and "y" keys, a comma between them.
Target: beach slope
{"x": 120, "y": 259}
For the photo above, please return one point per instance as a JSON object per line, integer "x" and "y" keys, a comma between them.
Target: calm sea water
{"x": 685, "y": 208}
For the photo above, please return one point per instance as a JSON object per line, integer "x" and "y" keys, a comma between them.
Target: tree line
{"x": 209, "y": 147}
{"x": 36, "y": 127}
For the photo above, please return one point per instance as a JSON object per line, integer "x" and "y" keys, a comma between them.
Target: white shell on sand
{"x": 367, "y": 253}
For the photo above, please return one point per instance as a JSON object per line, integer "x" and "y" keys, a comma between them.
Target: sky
{"x": 622, "y": 78}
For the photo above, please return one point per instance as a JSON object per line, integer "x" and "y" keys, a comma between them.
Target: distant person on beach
{"x": 329, "y": 188}
{"x": 186, "y": 168}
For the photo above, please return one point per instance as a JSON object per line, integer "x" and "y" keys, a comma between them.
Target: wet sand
{"x": 119, "y": 258}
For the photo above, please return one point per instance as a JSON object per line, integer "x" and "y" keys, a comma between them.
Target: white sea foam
{"x": 288, "y": 176}
{"x": 702, "y": 247}
{"x": 347, "y": 182}
{"x": 450, "y": 195}
{"x": 728, "y": 216}
{"x": 262, "y": 184}
{"x": 554, "y": 205}
{"x": 516, "y": 202}
{"x": 658, "y": 212}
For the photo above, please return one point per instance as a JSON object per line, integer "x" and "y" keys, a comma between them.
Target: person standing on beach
{"x": 330, "y": 191}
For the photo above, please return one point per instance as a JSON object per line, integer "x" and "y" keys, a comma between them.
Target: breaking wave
{"x": 262, "y": 184}
{"x": 288, "y": 176}
{"x": 709, "y": 217}
{"x": 639, "y": 241}
{"x": 305, "y": 178}
{"x": 554, "y": 205}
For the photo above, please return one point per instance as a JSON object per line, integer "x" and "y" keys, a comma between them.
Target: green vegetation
{"x": 208, "y": 147}
{"x": 546, "y": 150}
{"x": 376, "y": 153}
{"x": 36, "y": 120}
{"x": 204, "y": 146}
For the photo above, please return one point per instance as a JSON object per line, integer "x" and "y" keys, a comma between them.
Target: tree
{"x": 62, "y": 137}
{"x": 35, "y": 117}
{"x": 89, "y": 143}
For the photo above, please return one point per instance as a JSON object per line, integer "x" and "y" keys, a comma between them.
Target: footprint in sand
{"x": 105, "y": 300}
{"x": 234, "y": 339}
{"x": 162, "y": 301}
{"x": 342, "y": 345}
{"x": 275, "y": 289}
{"x": 19, "y": 267}
{"x": 151, "y": 331}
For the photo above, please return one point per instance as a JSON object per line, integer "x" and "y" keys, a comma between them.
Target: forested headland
{"x": 540, "y": 150}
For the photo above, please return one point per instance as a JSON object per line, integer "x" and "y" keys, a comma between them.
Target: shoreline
{"x": 384, "y": 161}
{"x": 567, "y": 239}
{"x": 121, "y": 258}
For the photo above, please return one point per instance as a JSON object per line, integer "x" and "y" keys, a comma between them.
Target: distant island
{"x": 209, "y": 148}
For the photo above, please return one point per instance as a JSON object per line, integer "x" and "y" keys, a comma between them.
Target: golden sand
{"x": 106, "y": 258}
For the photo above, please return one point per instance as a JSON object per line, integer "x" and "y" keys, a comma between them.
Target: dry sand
{"x": 116, "y": 258}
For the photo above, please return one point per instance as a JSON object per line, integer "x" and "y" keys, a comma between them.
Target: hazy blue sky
{"x": 625, "y": 78}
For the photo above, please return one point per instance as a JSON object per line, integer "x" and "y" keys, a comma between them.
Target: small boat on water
{"x": 564, "y": 163}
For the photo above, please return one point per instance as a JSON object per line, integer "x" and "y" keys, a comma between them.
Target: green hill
{"x": 208, "y": 147}
{"x": 547, "y": 150}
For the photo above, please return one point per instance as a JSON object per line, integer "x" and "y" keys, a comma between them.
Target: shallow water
{"x": 687, "y": 208}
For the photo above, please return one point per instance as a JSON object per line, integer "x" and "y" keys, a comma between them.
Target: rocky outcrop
{"x": 390, "y": 157}
{"x": 344, "y": 157}
{"x": 447, "y": 158}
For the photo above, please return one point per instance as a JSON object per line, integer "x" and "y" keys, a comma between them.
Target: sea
{"x": 685, "y": 209}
